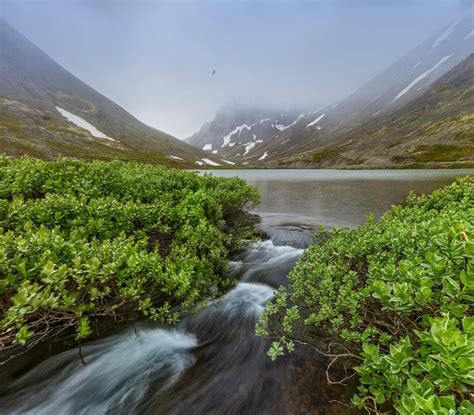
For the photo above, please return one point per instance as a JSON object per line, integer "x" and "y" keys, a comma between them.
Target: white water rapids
{"x": 210, "y": 363}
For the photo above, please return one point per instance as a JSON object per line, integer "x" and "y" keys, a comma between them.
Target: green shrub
{"x": 80, "y": 241}
{"x": 398, "y": 294}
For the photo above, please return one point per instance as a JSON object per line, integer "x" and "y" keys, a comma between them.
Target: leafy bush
{"x": 79, "y": 241}
{"x": 397, "y": 294}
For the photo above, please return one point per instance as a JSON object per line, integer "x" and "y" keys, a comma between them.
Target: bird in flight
{"x": 214, "y": 72}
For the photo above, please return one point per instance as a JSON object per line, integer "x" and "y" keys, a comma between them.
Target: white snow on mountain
{"x": 316, "y": 120}
{"x": 199, "y": 162}
{"x": 210, "y": 162}
{"x": 236, "y": 130}
{"x": 249, "y": 146}
{"x": 207, "y": 147}
{"x": 283, "y": 142}
{"x": 214, "y": 151}
{"x": 469, "y": 35}
{"x": 445, "y": 34}
{"x": 231, "y": 144}
{"x": 264, "y": 156}
{"x": 175, "y": 157}
{"x": 228, "y": 162}
{"x": 422, "y": 76}
{"x": 81, "y": 123}
{"x": 282, "y": 127}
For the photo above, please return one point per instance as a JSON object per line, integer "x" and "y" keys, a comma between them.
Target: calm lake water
{"x": 336, "y": 197}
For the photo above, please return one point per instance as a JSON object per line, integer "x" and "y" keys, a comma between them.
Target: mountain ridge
{"x": 402, "y": 82}
{"x": 434, "y": 129}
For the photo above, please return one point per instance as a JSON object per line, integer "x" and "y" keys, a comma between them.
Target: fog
{"x": 156, "y": 58}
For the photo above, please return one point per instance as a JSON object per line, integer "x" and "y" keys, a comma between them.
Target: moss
{"x": 9, "y": 122}
{"x": 442, "y": 152}
{"x": 326, "y": 154}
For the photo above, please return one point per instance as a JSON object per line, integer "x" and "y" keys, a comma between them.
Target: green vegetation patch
{"x": 441, "y": 152}
{"x": 81, "y": 241}
{"x": 326, "y": 154}
{"x": 397, "y": 296}
{"x": 9, "y": 122}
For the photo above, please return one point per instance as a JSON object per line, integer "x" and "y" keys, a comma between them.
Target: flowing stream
{"x": 212, "y": 362}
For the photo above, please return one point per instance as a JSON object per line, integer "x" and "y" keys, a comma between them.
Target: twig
{"x": 81, "y": 356}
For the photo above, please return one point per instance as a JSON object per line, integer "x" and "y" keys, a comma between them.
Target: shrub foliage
{"x": 79, "y": 241}
{"x": 398, "y": 294}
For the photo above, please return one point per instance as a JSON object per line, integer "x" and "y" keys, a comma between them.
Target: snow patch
{"x": 377, "y": 112}
{"x": 210, "y": 162}
{"x": 81, "y": 123}
{"x": 236, "y": 130}
{"x": 214, "y": 151}
{"x": 285, "y": 127}
{"x": 207, "y": 147}
{"x": 264, "y": 156}
{"x": 316, "y": 120}
{"x": 228, "y": 162}
{"x": 285, "y": 141}
{"x": 469, "y": 35}
{"x": 422, "y": 76}
{"x": 444, "y": 35}
{"x": 231, "y": 144}
{"x": 249, "y": 146}
{"x": 199, "y": 162}
{"x": 175, "y": 157}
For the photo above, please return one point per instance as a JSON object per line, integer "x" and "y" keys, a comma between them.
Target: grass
{"x": 442, "y": 152}
{"x": 9, "y": 122}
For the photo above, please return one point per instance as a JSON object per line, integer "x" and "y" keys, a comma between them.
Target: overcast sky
{"x": 156, "y": 58}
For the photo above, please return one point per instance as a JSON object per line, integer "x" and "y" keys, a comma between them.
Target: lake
{"x": 336, "y": 197}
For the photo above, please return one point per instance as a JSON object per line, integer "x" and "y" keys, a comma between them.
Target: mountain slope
{"x": 408, "y": 78}
{"x": 435, "y": 129}
{"x": 45, "y": 111}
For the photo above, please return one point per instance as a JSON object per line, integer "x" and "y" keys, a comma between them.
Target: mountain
{"x": 45, "y": 112}
{"x": 374, "y": 103}
{"x": 378, "y": 110}
{"x": 238, "y": 131}
{"x": 435, "y": 129}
